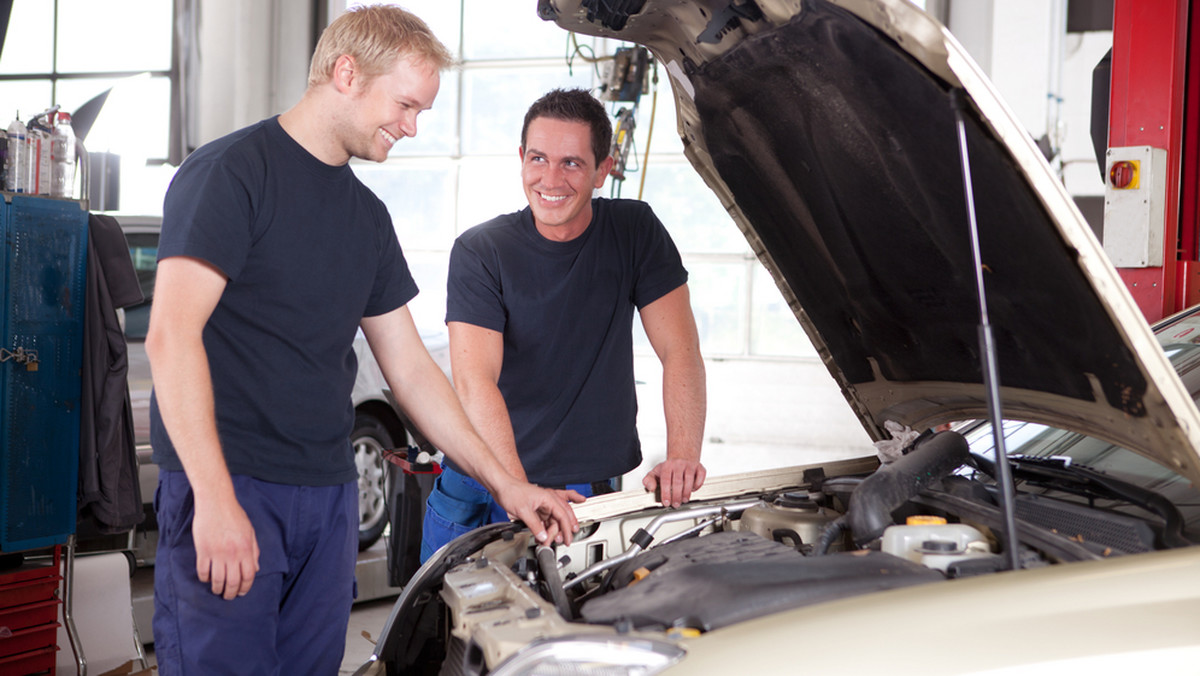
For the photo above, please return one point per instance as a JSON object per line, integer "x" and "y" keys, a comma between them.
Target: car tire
{"x": 370, "y": 439}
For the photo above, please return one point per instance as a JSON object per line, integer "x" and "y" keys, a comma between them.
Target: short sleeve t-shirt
{"x": 566, "y": 312}
{"x": 308, "y": 251}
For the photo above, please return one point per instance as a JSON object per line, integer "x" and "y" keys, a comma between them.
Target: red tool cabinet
{"x": 29, "y": 610}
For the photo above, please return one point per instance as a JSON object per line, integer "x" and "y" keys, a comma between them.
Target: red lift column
{"x": 1156, "y": 257}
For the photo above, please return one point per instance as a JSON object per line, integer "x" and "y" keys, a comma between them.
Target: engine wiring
{"x": 574, "y": 49}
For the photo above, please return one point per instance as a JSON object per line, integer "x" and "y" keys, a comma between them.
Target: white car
{"x": 834, "y": 132}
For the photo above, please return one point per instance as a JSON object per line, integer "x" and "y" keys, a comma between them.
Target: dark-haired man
{"x": 540, "y": 311}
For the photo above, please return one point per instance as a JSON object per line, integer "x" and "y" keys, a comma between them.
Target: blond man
{"x": 272, "y": 256}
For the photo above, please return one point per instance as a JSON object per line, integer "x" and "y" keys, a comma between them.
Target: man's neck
{"x": 308, "y": 125}
{"x": 562, "y": 233}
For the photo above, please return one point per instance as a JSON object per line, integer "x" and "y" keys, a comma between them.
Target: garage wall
{"x": 1043, "y": 72}
{"x": 252, "y": 62}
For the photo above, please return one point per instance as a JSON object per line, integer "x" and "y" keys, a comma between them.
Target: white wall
{"x": 1043, "y": 73}
{"x": 253, "y": 62}
{"x": 1012, "y": 42}
{"x": 1082, "y": 51}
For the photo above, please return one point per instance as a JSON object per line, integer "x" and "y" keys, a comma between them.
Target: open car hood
{"x": 826, "y": 129}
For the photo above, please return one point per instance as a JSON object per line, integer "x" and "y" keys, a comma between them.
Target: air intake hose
{"x": 892, "y": 485}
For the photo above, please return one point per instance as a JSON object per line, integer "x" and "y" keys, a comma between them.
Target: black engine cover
{"x": 724, "y": 578}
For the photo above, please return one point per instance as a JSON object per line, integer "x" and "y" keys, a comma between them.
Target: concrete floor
{"x": 366, "y": 621}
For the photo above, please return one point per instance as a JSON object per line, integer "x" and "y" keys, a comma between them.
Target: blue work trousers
{"x": 293, "y": 620}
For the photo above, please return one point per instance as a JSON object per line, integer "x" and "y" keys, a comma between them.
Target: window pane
{"x": 29, "y": 43}
{"x": 143, "y": 253}
{"x": 495, "y": 101}
{"x": 689, "y": 209}
{"x": 100, "y": 36}
{"x": 489, "y": 29}
{"x": 437, "y": 128}
{"x": 718, "y": 301}
{"x": 30, "y": 97}
{"x": 441, "y": 16}
{"x": 774, "y": 329}
{"x": 665, "y": 138}
{"x": 429, "y": 270}
{"x": 489, "y": 187}
{"x": 419, "y": 197}
{"x": 143, "y": 186}
{"x": 135, "y": 119}
{"x": 72, "y": 94}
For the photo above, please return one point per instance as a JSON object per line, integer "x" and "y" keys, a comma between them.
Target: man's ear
{"x": 345, "y": 73}
{"x": 603, "y": 170}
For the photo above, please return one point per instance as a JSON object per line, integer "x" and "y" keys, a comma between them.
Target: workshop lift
{"x": 1152, "y": 162}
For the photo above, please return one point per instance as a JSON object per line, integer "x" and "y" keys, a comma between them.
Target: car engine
{"x": 928, "y": 517}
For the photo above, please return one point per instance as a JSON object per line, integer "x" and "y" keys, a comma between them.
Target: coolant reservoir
{"x": 789, "y": 517}
{"x": 934, "y": 543}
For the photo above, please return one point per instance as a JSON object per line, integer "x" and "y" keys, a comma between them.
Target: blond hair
{"x": 376, "y": 36}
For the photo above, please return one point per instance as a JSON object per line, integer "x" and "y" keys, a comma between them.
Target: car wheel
{"x": 369, "y": 439}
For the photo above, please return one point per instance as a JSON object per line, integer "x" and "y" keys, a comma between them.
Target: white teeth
{"x": 553, "y": 198}
{"x": 391, "y": 140}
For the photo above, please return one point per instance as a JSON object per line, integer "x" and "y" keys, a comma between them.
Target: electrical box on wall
{"x": 1135, "y": 194}
{"x": 626, "y": 78}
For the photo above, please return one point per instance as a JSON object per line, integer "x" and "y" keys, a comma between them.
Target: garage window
{"x": 68, "y": 52}
{"x": 462, "y": 169}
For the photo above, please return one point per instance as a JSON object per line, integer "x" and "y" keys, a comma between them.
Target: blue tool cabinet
{"x": 42, "y": 279}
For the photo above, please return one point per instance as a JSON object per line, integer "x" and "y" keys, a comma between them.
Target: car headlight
{"x": 592, "y": 656}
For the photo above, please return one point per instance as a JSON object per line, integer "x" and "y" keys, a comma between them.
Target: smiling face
{"x": 386, "y": 107}
{"x": 559, "y": 173}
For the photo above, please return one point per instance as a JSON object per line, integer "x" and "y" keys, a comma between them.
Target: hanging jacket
{"x": 109, "y": 494}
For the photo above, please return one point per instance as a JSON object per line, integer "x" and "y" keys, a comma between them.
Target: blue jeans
{"x": 293, "y": 620}
{"x": 459, "y": 504}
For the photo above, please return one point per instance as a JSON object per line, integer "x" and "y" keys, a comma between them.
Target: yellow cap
{"x": 925, "y": 520}
{"x": 683, "y": 632}
{"x": 639, "y": 575}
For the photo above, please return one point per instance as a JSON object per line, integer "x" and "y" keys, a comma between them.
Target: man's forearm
{"x": 441, "y": 416}
{"x": 488, "y": 413}
{"x": 184, "y": 392}
{"x": 684, "y": 405}
{"x": 426, "y": 396}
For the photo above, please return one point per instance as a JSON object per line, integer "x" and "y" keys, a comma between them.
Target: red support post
{"x": 1146, "y": 108}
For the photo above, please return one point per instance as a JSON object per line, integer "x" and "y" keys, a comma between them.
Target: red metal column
{"x": 1187, "y": 283}
{"x": 1149, "y": 67}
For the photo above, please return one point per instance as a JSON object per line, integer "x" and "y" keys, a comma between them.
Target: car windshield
{"x": 1180, "y": 339}
{"x": 143, "y": 252}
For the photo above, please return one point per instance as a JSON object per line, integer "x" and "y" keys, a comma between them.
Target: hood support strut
{"x": 987, "y": 347}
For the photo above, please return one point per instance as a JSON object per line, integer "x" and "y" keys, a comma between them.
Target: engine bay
{"x": 929, "y": 517}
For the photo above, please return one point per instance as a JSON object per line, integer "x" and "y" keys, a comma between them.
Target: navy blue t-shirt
{"x": 308, "y": 251}
{"x": 566, "y": 312}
